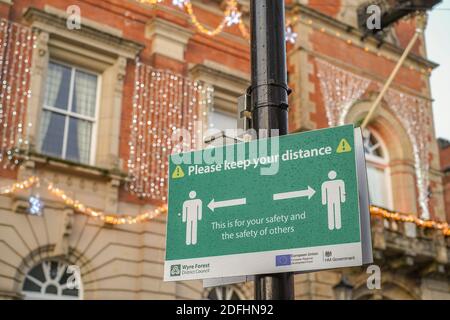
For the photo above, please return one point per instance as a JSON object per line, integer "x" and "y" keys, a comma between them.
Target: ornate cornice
{"x": 55, "y": 23}
{"x": 213, "y": 70}
{"x": 158, "y": 26}
{"x": 299, "y": 8}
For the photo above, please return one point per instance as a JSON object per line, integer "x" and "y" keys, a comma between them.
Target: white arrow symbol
{"x": 295, "y": 194}
{"x": 228, "y": 203}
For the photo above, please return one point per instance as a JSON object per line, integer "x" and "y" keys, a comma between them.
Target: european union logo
{"x": 283, "y": 260}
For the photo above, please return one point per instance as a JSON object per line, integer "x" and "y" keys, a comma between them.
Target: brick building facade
{"x": 444, "y": 146}
{"x": 88, "y": 84}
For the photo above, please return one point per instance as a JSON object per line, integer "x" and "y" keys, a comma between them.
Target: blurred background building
{"x": 91, "y": 92}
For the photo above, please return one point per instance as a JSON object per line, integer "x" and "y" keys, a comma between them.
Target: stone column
{"x": 37, "y": 82}
{"x": 110, "y": 115}
{"x": 169, "y": 43}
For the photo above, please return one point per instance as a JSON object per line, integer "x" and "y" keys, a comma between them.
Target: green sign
{"x": 281, "y": 204}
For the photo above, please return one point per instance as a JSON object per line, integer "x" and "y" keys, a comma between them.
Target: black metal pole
{"x": 269, "y": 100}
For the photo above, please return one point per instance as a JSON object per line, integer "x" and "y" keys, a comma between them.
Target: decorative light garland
{"x": 232, "y": 15}
{"x": 341, "y": 88}
{"x": 36, "y": 205}
{"x": 118, "y": 219}
{"x": 291, "y": 36}
{"x": 16, "y": 49}
{"x": 163, "y": 103}
{"x": 115, "y": 219}
{"x": 396, "y": 216}
{"x": 19, "y": 186}
{"x": 301, "y": 18}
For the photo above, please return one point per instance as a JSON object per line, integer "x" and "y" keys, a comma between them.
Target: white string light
{"x": 179, "y": 3}
{"x": 120, "y": 219}
{"x": 233, "y": 18}
{"x": 36, "y": 206}
{"x": 16, "y": 48}
{"x": 341, "y": 88}
{"x": 411, "y": 112}
{"x": 290, "y": 35}
{"x": 163, "y": 103}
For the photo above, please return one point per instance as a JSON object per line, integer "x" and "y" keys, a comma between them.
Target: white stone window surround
{"x": 95, "y": 47}
{"x": 50, "y": 274}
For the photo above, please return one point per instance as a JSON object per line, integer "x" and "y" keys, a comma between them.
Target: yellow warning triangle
{"x": 343, "y": 146}
{"x": 178, "y": 173}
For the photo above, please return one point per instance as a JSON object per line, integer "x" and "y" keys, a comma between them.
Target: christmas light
{"x": 341, "y": 88}
{"x": 291, "y": 36}
{"x": 16, "y": 48}
{"x": 412, "y": 113}
{"x": 179, "y": 3}
{"x": 115, "y": 219}
{"x": 147, "y": 216}
{"x": 164, "y": 102}
{"x": 233, "y": 18}
{"x": 233, "y": 15}
{"x": 396, "y": 216}
{"x": 302, "y": 18}
{"x": 152, "y": 2}
{"x": 36, "y": 206}
{"x": 18, "y": 186}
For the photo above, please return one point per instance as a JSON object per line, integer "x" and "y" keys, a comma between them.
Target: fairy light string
{"x": 234, "y": 14}
{"x": 121, "y": 219}
{"x": 17, "y": 92}
{"x": 79, "y": 207}
{"x": 16, "y": 48}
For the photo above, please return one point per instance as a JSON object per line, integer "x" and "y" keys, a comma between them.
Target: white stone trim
{"x": 168, "y": 39}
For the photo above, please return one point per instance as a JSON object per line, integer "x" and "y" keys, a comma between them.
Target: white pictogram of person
{"x": 333, "y": 194}
{"x": 192, "y": 213}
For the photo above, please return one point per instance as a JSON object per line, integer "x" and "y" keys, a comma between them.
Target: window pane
{"x": 38, "y": 273}
{"x": 51, "y": 133}
{"x": 58, "y": 86}
{"x": 377, "y": 186}
{"x": 79, "y": 140}
{"x": 31, "y": 286}
{"x": 50, "y": 282}
{"x": 223, "y": 121}
{"x": 85, "y": 94}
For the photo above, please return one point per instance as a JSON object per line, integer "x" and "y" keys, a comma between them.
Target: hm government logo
{"x": 175, "y": 270}
{"x": 327, "y": 254}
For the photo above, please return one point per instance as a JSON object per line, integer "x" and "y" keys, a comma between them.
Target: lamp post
{"x": 344, "y": 289}
{"x": 269, "y": 106}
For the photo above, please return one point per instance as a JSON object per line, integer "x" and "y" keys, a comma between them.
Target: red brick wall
{"x": 4, "y": 10}
{"x": 445, "y": 165}
{"x": 230, "y": 50}
{"x": 328, "y": 7}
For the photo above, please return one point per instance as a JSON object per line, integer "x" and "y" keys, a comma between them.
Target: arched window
{"x": 225, "y": 293}
{"x": 377, "y": 170}
{"x": 52, "y": 280}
